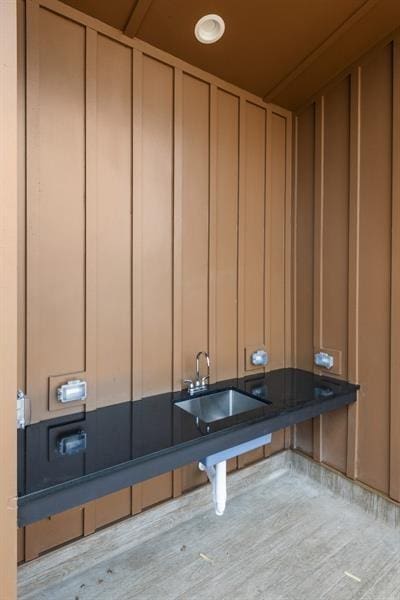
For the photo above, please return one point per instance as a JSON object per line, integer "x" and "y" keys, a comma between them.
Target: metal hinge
{"x": 23, "y": 410}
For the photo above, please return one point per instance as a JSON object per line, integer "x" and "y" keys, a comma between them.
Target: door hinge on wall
{"x": 23, "y": 410}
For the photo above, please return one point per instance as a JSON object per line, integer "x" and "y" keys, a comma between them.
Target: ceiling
{"x": 281, "y": 50}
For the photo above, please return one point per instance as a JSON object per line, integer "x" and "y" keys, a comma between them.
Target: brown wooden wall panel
{"x": 9, "y": 260}
{"x": 195, "y": 232}
{"x": 304, "y": 257}
{"x": 20, "y": 545}
{"x": 21, "y": 98}
{"x": 112, "y": 508}
{"x": 276, "y": 242}
{"x": 154, "y": 170}
{"x": 114, "y": 126}
{"x": 334, "y": 255}
{"x": 395, "y": 285}
{"x": 278, "y": 442}
{"x": 351, "y": 161}
{"x": 227, "y": 176}
{"x": 56, "y": 207}
{"x": 277, "y": 320}
{"x": 155, "y": 490}
{"x": 253, "y": 248}
{"x": 52, "y": 532}
{"x": 375, "y": 250}
{"x": 195, "y": 187}
{"x": 251, "y": 457}
{"x": 157, "y": 213}
{"x": 304, "y": 238}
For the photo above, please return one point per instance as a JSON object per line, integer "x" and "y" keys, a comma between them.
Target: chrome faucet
{"x": 200, "y": 383}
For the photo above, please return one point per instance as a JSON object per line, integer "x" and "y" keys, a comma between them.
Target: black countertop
{"x": 130, "y": 442}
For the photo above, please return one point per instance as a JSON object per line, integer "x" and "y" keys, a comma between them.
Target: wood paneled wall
{"x": 347, "y": 261}
{"x": 8, "y": 295}
{"x": 158, "y": 224}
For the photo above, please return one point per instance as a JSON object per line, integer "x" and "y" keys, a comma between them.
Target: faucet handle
{"x": 189, "y": 383}
{"x": 204, "y": 379}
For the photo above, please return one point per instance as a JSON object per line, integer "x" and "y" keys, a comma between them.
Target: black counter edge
{"x": 45, "y": 503}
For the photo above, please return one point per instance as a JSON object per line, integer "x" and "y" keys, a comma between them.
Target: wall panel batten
{"x": 318, "y": 450}
{"x": 395, "y": 291}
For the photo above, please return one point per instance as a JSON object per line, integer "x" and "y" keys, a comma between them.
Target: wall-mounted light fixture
{"x": 209, "y": 29}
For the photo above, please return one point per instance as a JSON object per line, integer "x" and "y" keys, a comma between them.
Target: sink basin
{"x": 219, "y": 405}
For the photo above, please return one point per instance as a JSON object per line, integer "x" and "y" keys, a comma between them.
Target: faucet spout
{"x": 200, "y": 383}
{"x": 203, "y": 380}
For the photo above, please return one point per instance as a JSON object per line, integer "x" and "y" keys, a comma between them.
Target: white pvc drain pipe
{"x": 215, "y": 467}
{"x": 217, "y": 476}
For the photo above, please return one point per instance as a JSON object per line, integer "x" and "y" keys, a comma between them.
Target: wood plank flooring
{"x": 283, "y": 537}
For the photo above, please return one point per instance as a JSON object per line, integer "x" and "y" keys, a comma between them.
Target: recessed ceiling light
{"x": 209, "y": 29}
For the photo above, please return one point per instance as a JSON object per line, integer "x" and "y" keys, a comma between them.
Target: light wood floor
{"x": 282, "y": 537}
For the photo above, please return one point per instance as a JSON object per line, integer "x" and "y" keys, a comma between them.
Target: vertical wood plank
{"x": 254, "y": 233}
{"x": 212, "y": 234}
{"x": 354, "y": 267}
{"x": 111, "y": 508}
{"x": 195, "y": 212}
{"x": 394, "y": 489}
{"x": 157, "y": 227}
{"x": 289, "y": 258}
{"x": 295, "y": 216}
{"x": 53, "y": 531}
{"x": 57, "y": 267}
{"x": 8, "y": 295}
{"x": 289, "y": 246}
{"x": 276, "y": 242}
{"x": 156, "y": 490}
{"x": 318, "y": 257}
{"x": 277, "y": 247}
{"x": 304, "y": 257}
{"x": 21, "y": 546}
{"x": 21, "y": 149}
{"x": 114, "y": 227}
{"x": 226, "y": 234}
{"x": 318, "y": 222}
{"x": 375, "y": 269}
{"x": 195, "y": 234}
{"x": 177, "y": 364}
{"x": 241, "y": 235}
{"x": 335, "y": 259}
{"x": 32, "y": 191}
{"x": 91, "y": 212}
{"x": 178, "y": 225}
{"x": 269, "y": 266}
{"x": 137, "y": 94}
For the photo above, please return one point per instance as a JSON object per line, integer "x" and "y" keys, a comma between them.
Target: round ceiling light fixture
{"x": 209, "y": 29}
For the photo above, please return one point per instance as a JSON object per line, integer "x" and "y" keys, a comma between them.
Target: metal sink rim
{"x": 247, "y": 403}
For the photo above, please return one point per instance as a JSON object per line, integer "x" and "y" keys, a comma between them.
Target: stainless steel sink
{"x": 219, "y": 405}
